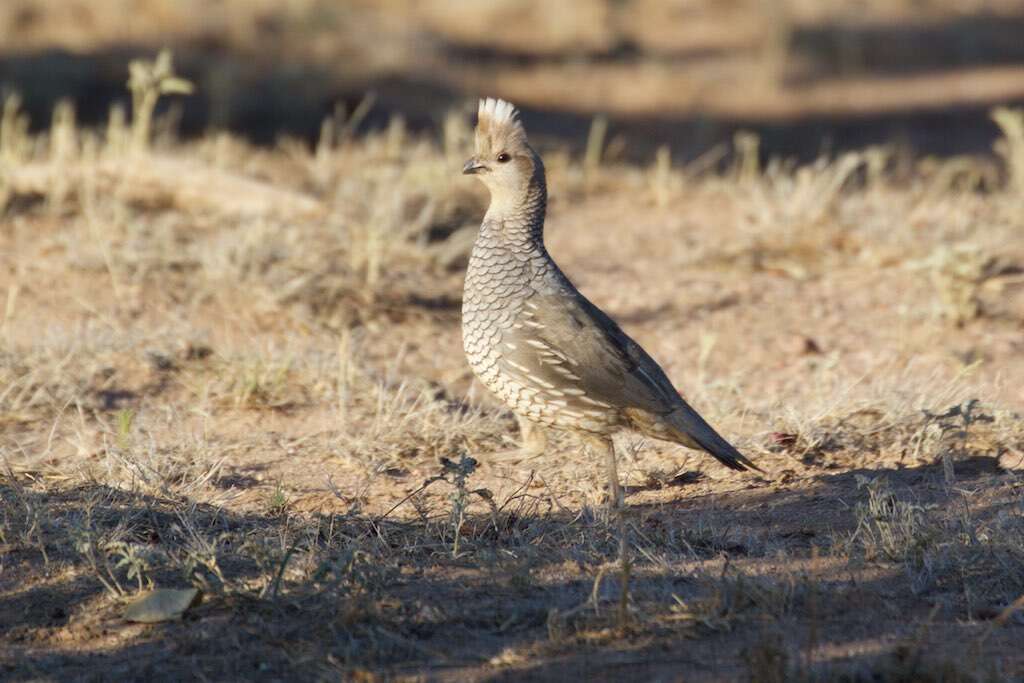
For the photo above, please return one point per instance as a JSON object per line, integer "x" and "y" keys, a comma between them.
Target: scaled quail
{"x": 553, "y": 357}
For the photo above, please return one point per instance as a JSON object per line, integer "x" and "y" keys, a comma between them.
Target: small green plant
{"x": 124, "y": 418}
{"x": 457, "y": 474}
{"x": 277, "y": 502}
{"x": 148, "y": 82}
{"x": 134, "y": 563}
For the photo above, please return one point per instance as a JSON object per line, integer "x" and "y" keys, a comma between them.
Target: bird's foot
{"x": 512, "y": 456}
{"x": 533, "y": 445}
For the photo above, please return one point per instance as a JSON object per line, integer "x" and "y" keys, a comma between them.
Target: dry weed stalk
{"x": 954, "y": 426}
{"x": 1011, "y": 145}
{"x": 15, "y": 142}
{"x": 889, "y": 528}
{"x": 594, "y": 150}
{"x": 665, "y": 182}
{"x": 747, "y": 146}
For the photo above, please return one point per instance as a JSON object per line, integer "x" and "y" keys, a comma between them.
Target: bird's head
{"x": 503, "y": 160}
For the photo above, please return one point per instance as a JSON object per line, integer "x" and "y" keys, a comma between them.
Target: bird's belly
{"x": 527, "y": 394}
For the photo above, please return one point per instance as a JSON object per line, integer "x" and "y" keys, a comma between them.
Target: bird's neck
{"x": 517, "y": 218}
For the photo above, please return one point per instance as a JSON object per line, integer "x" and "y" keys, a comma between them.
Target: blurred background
{"x": 809, "y": 76}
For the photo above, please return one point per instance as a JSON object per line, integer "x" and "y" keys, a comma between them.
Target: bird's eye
{"x": 503, "y": 157}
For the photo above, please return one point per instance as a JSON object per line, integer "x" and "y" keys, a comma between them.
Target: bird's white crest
{"x": 498, "y": 112}
{"x": 498, "y": 123}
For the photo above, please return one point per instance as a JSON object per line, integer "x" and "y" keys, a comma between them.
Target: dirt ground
{"x": 266, "y": 399}
{"x": 238, "y": 368}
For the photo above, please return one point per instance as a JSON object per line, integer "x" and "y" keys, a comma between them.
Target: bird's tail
{"x": 691, "y": 430}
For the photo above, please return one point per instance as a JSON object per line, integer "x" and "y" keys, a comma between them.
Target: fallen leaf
{"x": 784, "y": 440}
{"x": 161, "y": 604}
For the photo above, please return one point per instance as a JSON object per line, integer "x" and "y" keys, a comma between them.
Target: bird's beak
{"x": 472, "y": 166}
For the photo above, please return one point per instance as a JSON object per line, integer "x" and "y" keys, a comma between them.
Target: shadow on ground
{"x": 718, "y": 582}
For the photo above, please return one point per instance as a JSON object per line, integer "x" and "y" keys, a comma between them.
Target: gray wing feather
{"x": 612, "y": 367}
{"x": 615, "y": 369}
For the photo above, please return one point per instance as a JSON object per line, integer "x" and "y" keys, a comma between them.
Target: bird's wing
{"x": 572, "y": 338}
{"x": 568, "y": 345}
{"x": 608, "y": 366}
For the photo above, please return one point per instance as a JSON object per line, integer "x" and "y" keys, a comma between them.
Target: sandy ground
{"x": 238, "y": 368}
{"x": 259, "y": 400}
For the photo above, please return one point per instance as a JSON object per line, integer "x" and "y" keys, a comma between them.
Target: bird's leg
{"x": 534, "y": 442}
{"x": 618, "y": 513}
{"x": 614, "y": 488}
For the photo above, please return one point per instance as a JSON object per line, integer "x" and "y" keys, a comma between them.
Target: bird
{"x": 549, "y": 354}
